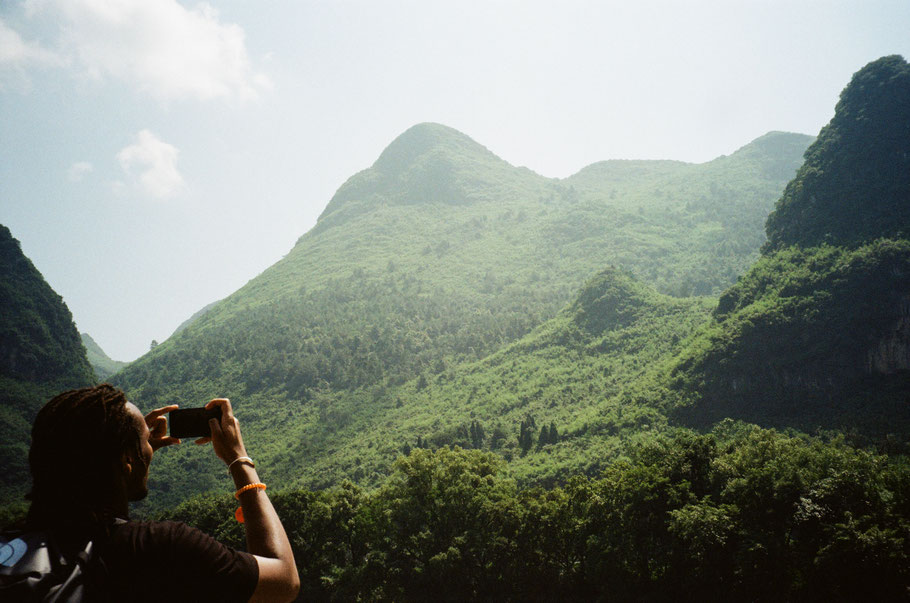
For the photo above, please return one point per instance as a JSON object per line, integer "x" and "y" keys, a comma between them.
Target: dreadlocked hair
{"x": 78, "y": 439}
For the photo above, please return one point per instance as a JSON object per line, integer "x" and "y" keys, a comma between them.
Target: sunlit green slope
{"x": 817, "y": 333}
{"x": 442, "y": 253}
{"x": 40, "y": 355}
{"x": 549, "y": 403}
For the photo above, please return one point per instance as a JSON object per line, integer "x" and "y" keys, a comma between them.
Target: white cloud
{"x": 159, "y": 46}
{"x": 15, "y": 52}
{"x": 78, "y": 170}
{"x": 153, "y": 165}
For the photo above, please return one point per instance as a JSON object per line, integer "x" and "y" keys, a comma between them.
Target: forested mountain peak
{"x": 854, "y": 186}
{"x": 427, "y": 138}
{"x": 428, "y": 163}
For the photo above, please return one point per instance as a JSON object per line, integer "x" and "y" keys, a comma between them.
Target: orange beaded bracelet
{"x": 256, "y": 486}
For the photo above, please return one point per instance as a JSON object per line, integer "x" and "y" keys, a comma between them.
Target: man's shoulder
{"x": 139, "y": 535}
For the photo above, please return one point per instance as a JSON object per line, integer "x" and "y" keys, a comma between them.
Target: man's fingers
{"x": 225, "y": 404}
{"x": 204, "y": 440}
{"x": 157, "y": 424}
{"x": 155, "y": 414}
{"x": 162, "y": 442}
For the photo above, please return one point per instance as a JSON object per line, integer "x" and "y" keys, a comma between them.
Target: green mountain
{"x": 40, "y": 355}
{"x": 102, "y": 364}
{"x": 817, "y": 333}
{"x": 439, "y": 254}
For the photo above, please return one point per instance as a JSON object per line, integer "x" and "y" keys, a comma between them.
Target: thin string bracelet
{"x": 242, "y": 459}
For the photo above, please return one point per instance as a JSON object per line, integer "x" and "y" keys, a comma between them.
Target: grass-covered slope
{"x": 442, "y": 253}
{"x": 103, "y": 365}
{"x": 40, "y": 355}
{"x": 817, "y": 333}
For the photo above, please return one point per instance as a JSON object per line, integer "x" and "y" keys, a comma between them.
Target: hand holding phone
{"x": 225, "y": 438}
{"x": 192, "y": 422}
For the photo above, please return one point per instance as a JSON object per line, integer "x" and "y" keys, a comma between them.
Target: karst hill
{"x": 817, "y": 332}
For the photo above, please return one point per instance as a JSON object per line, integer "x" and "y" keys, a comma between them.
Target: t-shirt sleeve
{"x": 175, "y": 562}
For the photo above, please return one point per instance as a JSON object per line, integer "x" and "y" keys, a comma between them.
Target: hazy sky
{"x": 156, "y": 155}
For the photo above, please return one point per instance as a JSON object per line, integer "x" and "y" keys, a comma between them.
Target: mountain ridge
{"x": 387, "y": 292}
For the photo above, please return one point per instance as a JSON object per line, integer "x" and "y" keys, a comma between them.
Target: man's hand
{"x": 157, "y": 423}
{"x": 225, "y": 438}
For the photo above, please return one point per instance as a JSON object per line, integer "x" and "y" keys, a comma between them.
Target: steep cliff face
{"x": 891, "y": 353}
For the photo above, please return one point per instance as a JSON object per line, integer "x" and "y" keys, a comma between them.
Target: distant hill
{"x": 194, "y": 317}
{"x": 102, "y": 364}
{"x": 817, "y": 332}
{"x": 442, "y": 253}
{"x": 40, "y": 355}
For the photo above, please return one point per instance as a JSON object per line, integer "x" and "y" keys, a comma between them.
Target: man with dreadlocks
{"x": 90, "y": 457}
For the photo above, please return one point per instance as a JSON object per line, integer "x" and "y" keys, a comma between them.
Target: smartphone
{"x": 192, "y": 422}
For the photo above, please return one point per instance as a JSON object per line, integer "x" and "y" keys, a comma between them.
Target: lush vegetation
{"x": 437, "y": 257}
{"x": 739, "y": 514}
{"x": 40, "y": 355}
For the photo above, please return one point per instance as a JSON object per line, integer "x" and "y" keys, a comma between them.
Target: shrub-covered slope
{"x": 548, "y": 402}
{"x": 817, "y": 333}
{"x": 40, "y": 355}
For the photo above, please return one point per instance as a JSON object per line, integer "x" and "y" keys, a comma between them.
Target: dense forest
{"x": 645, "y": 381}
{"x": 741, "y": 513}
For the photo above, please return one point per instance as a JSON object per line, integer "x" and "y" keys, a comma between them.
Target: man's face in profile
{"x": 137, "y": 478}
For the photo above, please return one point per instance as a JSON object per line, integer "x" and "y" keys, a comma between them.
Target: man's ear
{"x": 127, "y": 463}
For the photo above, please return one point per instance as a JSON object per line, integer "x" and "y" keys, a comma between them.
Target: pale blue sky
{"x": 156, "y": 155}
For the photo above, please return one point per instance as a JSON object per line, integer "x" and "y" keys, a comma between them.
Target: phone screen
{"x": 192, "y": 422}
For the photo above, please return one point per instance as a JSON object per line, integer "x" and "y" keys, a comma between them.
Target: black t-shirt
{"x": 170, "y": 561}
